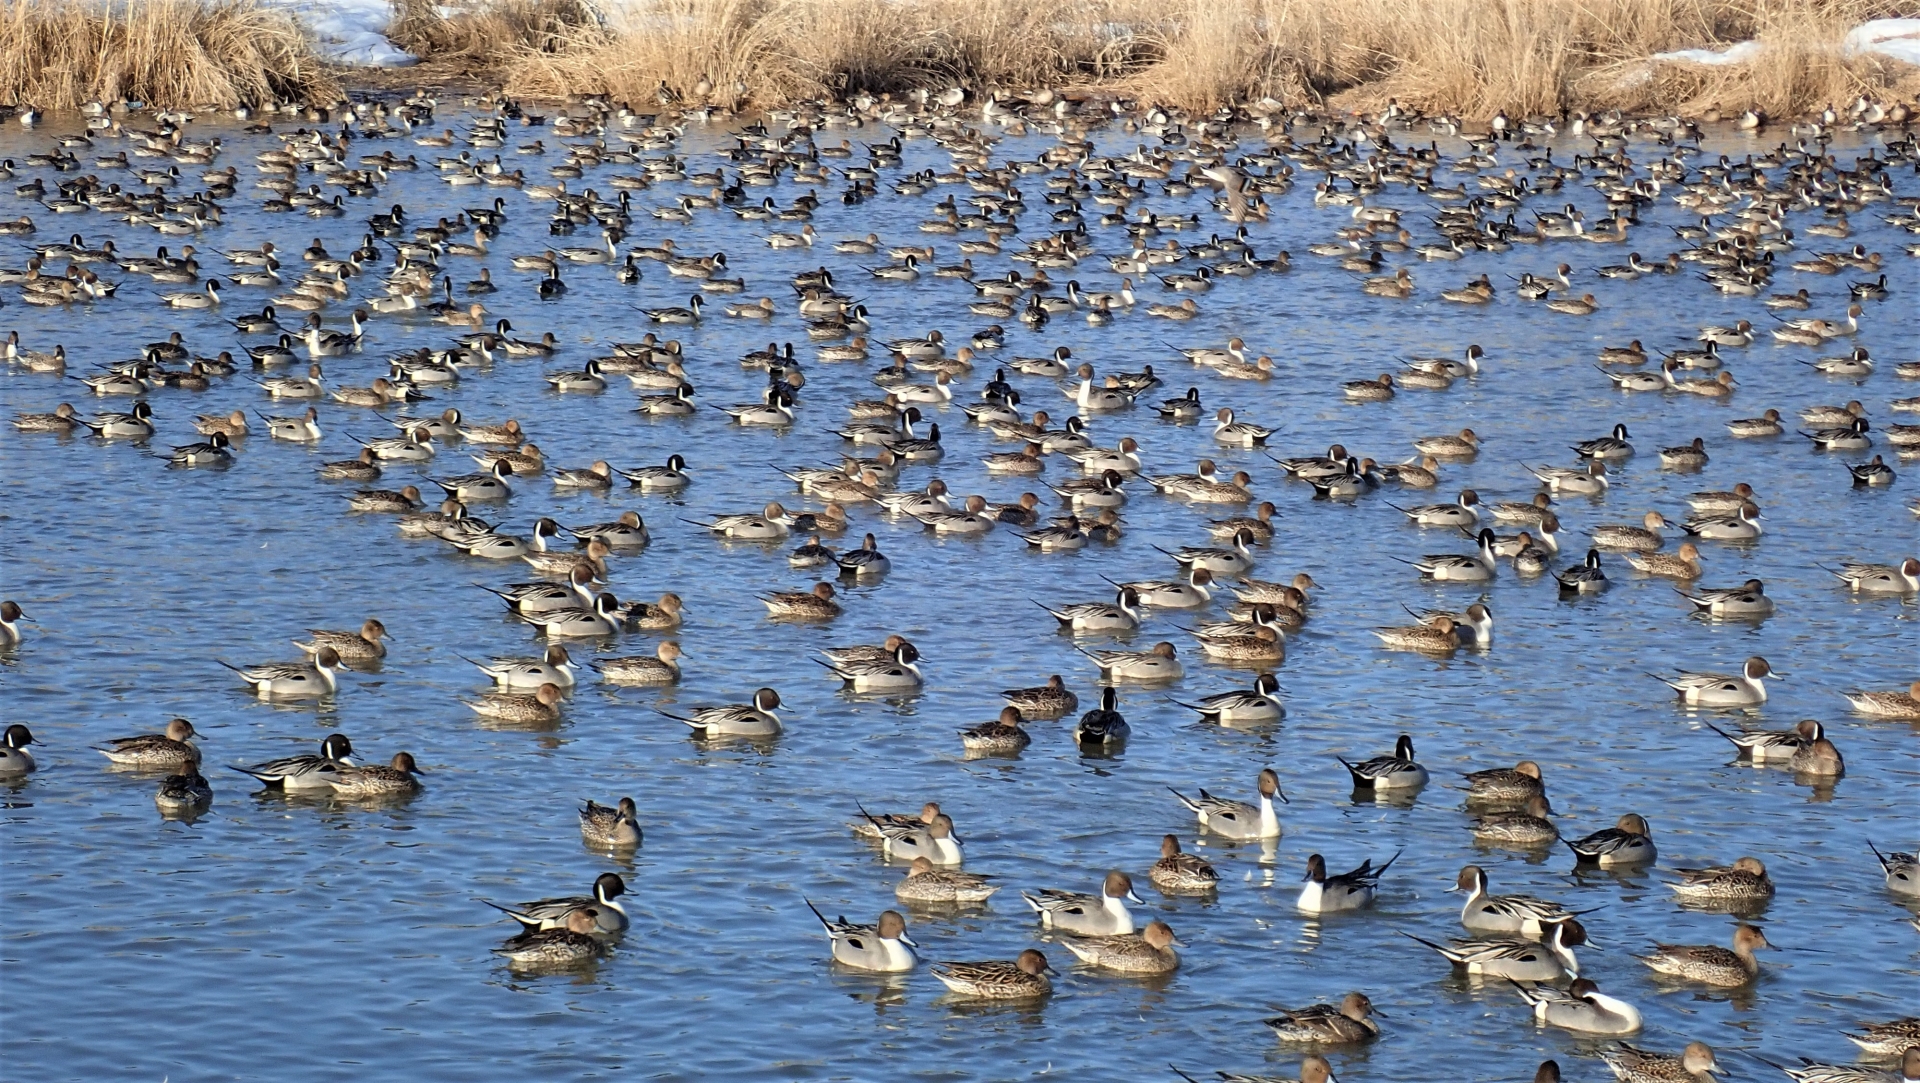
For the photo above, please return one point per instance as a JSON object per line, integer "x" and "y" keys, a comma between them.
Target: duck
{"x": 1627, "y": 842}
{"x": 363, "y": 646}
{"x": 293, "y": 680}
{"x": 1904, "y": 705}
{"x": 1105, "y": 914}
{"x": 307, "y": 772}
{"x": 1518, "y": 959}
{"x": 1683, "y": 565}
{"x": 663, "y": 667}
{"x": 1351, "y": 890}
{"x": 1182, "y": 873}
{"x": 1587, "y": 577}
{"x": 573, "y": 944}
{"x": 1582, "y": 1007}
{"x": 757, "y": 718}
{"x": 1149, "y": 951}
{"x": 1347, "y": 1023}
{"x": 1749, "y": 600}
{"x": 395, "y": 778}
{"x": 1104, "y": 725}
{"x": 1024, "y": 978}
{"x": 541, "y": 705}
{"x": 1864, "y": 578}
{"x": 1514, "y": 785}
{"x": 1048, "y": 701}
{"x": 1743, "y": 689}
{"x": 167, "y": 750}
{"x": 1519, "y": 915}
{"x": 1157, "y": 663}
{"x": 817, "y": 604}
{"x": 1399, "y": 771}
{"x": 1528, "y": 828}
{"x": 1695, "y": 1064}
{"x": 1259, "y": 704}
{"x": 614, "y": 828}
{"x": 1238, "y": 819}
{"x": 924, "y": 884}
{"x": 1743, "y": 882}
{"x": 15, "y": 761}
{"x": 1710, "y": 964}
{"x": 185, "y": 793}
{"x": 543, "y": 914}
{"x": 882, "y": 948}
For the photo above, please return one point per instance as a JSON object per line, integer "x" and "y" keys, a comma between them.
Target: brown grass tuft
{"x": 62, "y": 53}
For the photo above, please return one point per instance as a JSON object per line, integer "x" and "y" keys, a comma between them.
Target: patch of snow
{"x": 352, "y": 32}
{"x": 1732, "y": 54}
{"x": 1896, "y": 39}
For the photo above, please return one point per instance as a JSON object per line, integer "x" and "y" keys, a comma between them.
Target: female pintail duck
{"x": 1048, "y": 701}
{"x": 1463, "y": 512}
{"x": 1237, "y": 819}
{"x": 1506, "y": 785}
{"x": 1744, "y": 881}
{"x": 186, "y": 792}
{"x": 1692, "y": 456}
{"x": 1637, "y": 538}
{"x": 1746, "y": 600}
{"x": 63, "y": 419}
{"x": 1520, "y": 915}
{"x": 1378, "y": 389}
{"x": 571, "y": 944}
{"x": 1473, "y": 625}
{"x": 1627, "y": 842}
{"x": 1587, "y": 577}
{"x": 883, "y": 947}
{"x": 291, "y": 680}
{"x": 926, "y": 884}
{"x": 1104, "y": 725}
{"x": 1313, "y": 1069}
{"x": 1772, "y": 746}
{"x": 1396, "y": 772}
{"x": 1179, "y": 873}
{"x": 1695, "y": 1064}
{"x": 754, "y": 719}
{"x": 1454, "y": 568}
{"x": 1684, "y": 565}
{"x": 1158, "y": 663}
{"x": 15, "y": 760}
{"x": 663, "y": 615}
{"x": 553, "y": 913}
{"x": 1586, "y": 481}
{"x": 305, "y": 772}
{"x": 392, "y": 779}
{"x": 1345, "y": 1023}
{"x": 11, "y": 617}
{"x": 1121, "y": 615}
{"x": 1149, "y": 951}
{"x": 1768, "y": 424}
{"x": 1025, "y": 978}
{"x": 1002, "y": 737}
{"x": 1743, "y": 689}
{"x": 1711, "y": 964}
{"x": 1351, "y": 890}
{"x": 541, "y": 705}
{"x": 663, "y": 667}
{"x": 615, "y": 828}
{"x": 1259, "y": 524}
{"x": 1887, "y": 704}
{"x": 1105, "y": 914}
{"x": 1261, "y": 703}
{"x": 1530, "y": 827}
{"x": 547, "y": 561}
{"x": 1550, "y": 959}
{"x": 1528, "y": 512}
{"x": 1582, "y": 1007}
{"x": 1438, "y": 637}
{"x": 895, "y": 673}
{"x": 361, "y": 646}
{"x": 155, "y": 751}
{"x": 1234, "y": 641}
{"x": 1465, "y": 445}
{"x": 1897, "y": 1037}
{"x": 1901, "y": 578}
{"x": 816, "y": 604}
{"x": 867, "y": 652}
{"x": 601, "y": 619}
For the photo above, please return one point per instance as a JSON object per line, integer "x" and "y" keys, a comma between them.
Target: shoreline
{"x": 1468, "y": 60}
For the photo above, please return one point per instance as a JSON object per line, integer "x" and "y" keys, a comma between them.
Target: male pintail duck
{"x": 1582, "y": 1007}
{"x": 1261, "y": 703}
{"x": 1105, "y": 914}
{"x": 755, "y": 719}
{"x": 1744, "y": 689}
{"x": 1520, "y": 915}
{"x": 883, "y": 947}
{"x": 305, "y": 772}
{"x": 15, "y": 760}
{"x": 1628, "y": 842}
{"x": 1237, "y": 819}
{"x": 610, "y": 916}
{"x": 1550, "y": 959}
{"x": 1396, "y": 772}
{"x": 1351, "y": 890}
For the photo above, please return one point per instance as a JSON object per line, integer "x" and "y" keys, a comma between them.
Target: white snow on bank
{"x": 1896, "y": 39}
{"x": 352, "y": 32}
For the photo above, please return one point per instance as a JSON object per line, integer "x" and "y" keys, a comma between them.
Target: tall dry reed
{"x": 1467, "y": 56}
{"x": 62, "y": 53}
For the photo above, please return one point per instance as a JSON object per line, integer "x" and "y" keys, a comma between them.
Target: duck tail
{"x": 704, "y": 526}
{"x": 1721, "y": 732}
{"x": 816, "y": 912}
{"x": 1428, "y": 943}
{"x": 1184, "y": 799}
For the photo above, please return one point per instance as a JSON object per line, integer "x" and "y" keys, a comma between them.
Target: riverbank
{"x": 1471, "y": 58}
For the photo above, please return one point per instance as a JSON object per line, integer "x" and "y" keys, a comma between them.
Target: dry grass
{"x": 1472, "y": 57}
{"x": 63, "y": 53}
{"x": 486, "y": 31}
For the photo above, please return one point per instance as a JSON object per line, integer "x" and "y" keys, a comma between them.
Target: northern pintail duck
{"x": 1048, "y": 701}
{"x": 817, "y": 604}
{"x": 396, "y": 778}
{"x": 924, "y": 883}
{"x": 1744, "y": 689}
{"x": 1773, "y": 746}
{"x": 169, "y": 750}
{"x": 528, "y": 598}
{"x": 1344, "y": 1023}
{"x": 1645, "y": 538}
{"x": 1887, "y": 704}
{"x": 1897, "y": 1037}
{"x": 541, "y": 705}
{"x": 1582, "y": 1007}
{"x": 1812, "y": 1071}
{"x": 1902, "y": 870}
{"x": 1521, "y": 915}
{"x": 1463, "y": 512}
{"x": 1747, "y": 600}
{"x": 1104, "y": 914}
{"x": 1436, "y": 637}
{"x": 1025, "y": 978}
{"x": 1399, "y": 771}
{"x": 1530, "y": 827}
{"x": 577, "y": 622}
{"x": 1004, "y": 736}
{"x": 1149, "y": 951}
{"x": 1351, "y": 890}
{"x": 1549, "y": 959}
{"x": 1711, "y": 964}
{"x": 1586, "y": 481}
{"x": 1121, "y": 615}
{"x": 1454, "y": 568}
{"x": 185, "y": 793}
{"x": 1743, "y": 882}
{"x": 290, "y": 680}
{"x": 1313, "y": 1069}
{"x": 572, "y": 944}
{"x": 1261, "y": 703}
{"x": 1506, "y": 785}
{"x": 610, "y": 917}
{"x": 363, "y": 646}
{"x": 616, "y": 828}
{"x": 1627, "y": 842}
{"x": 883, "y": 947}
{"x": 1182, "y": 873}
{"x": 1219, "y": 561}
{"x": 1157, "y": 663}
{"x": 1684, "y": 565}
{"x": 1862, "y": 578}
{"x": 754, "y": 719}
{"x": 308, "y": 771}
{"x": 1695, "y": 1064}
{"x": 1742, "y": 525}
{"x": 663, "y": 667}
{"x": 1104, "y": 725}
{"x": 1238, "y": 819}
